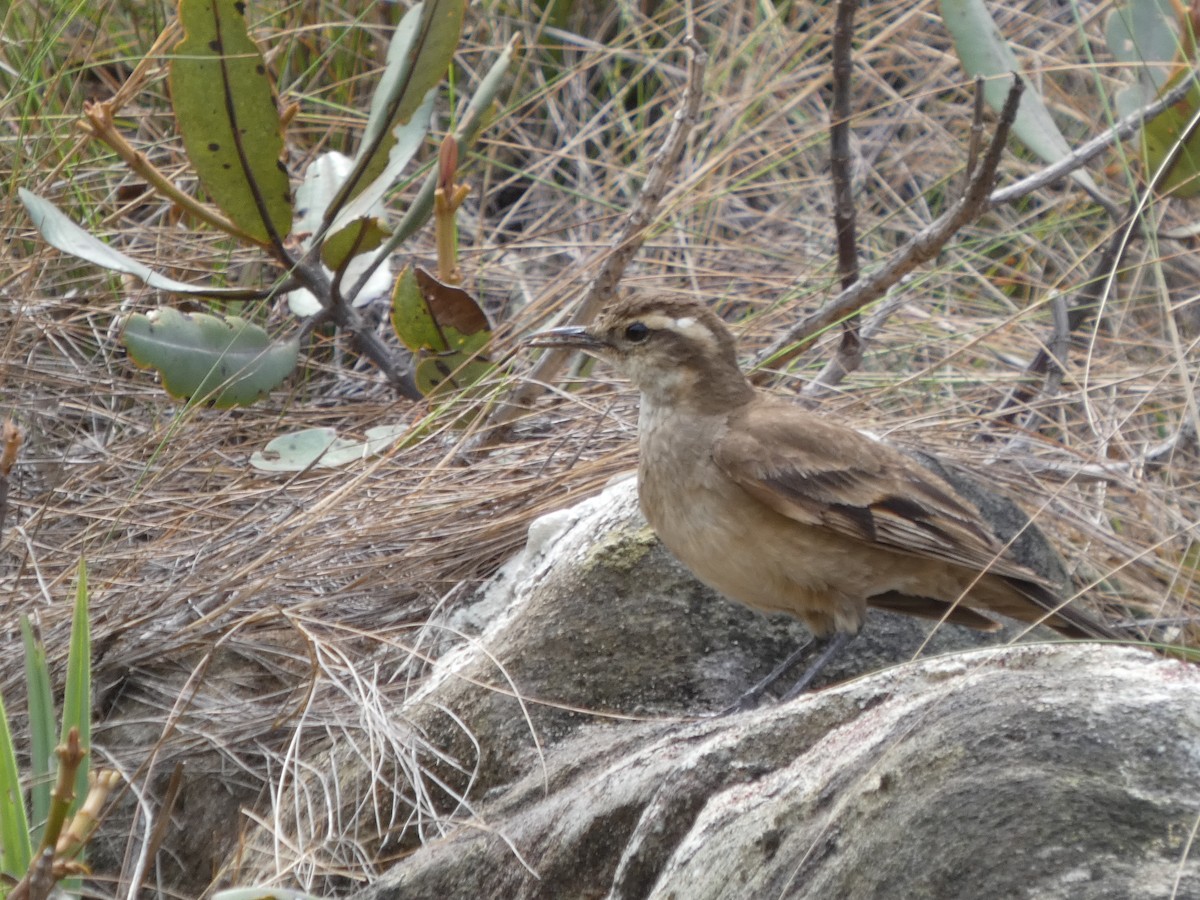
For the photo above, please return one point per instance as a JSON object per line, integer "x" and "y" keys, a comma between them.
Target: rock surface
{"x": 1054, "y": 770}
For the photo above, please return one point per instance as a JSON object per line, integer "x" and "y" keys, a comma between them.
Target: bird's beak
{"x": 570, "y": 337}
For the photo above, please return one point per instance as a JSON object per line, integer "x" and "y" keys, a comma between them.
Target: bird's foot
{"x": 828, "y": 648}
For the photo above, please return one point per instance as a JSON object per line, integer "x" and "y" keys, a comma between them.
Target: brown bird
{"x": 782, "y": 510}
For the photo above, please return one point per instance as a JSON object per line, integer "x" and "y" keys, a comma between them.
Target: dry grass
{"x": 309, "y": 595}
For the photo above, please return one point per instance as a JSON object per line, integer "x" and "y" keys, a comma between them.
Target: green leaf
{"x": 1146, "y": 35}
{"x": 417, "y": 60}
{"x": 428, "y": 315}
{"x": 411, "y": 319}
{"x": 321, "y": 448}
{"x": 322, "y": 179}
{"x": 225, "y": 361}
{"x": 63, "y": 234}
{"x": 229, "y": 119}
{"x": 369, "y": 202}
{"x": 42, "y": 719}
{"x": 983, "y": 51}
{"x": 1142, "y": 34}
{"x": 359, "y": 237}
{"x": 434, "y": 318}
{"x": 16, "y": 850}
{"x": 77, "y": 695}
{"x": 436, "y": 375}
{"x": 1162, "y": 135}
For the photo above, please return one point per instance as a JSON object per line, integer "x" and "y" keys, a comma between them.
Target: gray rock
{"x": 1057, "y": 770}
{"x": 1046, "y": 771}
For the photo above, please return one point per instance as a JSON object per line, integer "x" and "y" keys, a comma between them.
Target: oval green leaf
{"x": 322, "y": 448}
{"x": 224, "y": 361}
{"x": 430, "y": 316}
{"x": 359, "y": 237}
{"x": 437, "y": 375}
{"x": 411, "y": 319}
{"x": 229, "y": 119}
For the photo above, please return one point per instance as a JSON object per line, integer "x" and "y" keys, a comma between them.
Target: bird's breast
{"x": 705, "y": 519}
{"x": 733, "y": 542}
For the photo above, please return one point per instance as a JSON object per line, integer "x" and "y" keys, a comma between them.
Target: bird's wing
{"x": 819, "y": 473}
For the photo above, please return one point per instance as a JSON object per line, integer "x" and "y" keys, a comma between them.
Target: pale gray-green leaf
{"x": 322, "y": 448}
{"x": 222, "y": 360}
{"x": 984, "y": 51}
{"x": 409, "y": 138}
{"x": 63, "y": 234}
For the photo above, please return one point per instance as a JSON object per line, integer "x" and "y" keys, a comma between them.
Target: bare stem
{"x": 1085, "y": 153}
{"x": 850, "y": 351}
{"x": 98, "y": 125}
{"x": 922, "y": 246}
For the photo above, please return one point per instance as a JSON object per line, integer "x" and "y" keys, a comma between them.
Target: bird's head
{"x": 676, "y": 351}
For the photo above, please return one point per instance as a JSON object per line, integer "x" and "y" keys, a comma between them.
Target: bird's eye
{"x": 637, "y": 332}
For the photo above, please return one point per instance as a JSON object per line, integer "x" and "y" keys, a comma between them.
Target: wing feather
{"x": 819, "y": 473}
{"x": 823, "y": 474}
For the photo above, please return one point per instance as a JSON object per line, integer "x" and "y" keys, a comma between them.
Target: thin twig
{"x": 1056, "y": 348}
{"x": 627, "y": 242}
{"x": 1059, "y": 343}
{"x": 99, "y": 124}
{"x": 975, "y": 141}
{"x": 1158, "y": 453}
{"x": 850, "y": 351}
{"x": 1079, "y": 311}
{"x": 1091, "y": 295}
{"x": 1085, "y": 153}
{"x": 834, "y": 371}
{"x": 921, "y": 247}
{"x": 839, "y": 145}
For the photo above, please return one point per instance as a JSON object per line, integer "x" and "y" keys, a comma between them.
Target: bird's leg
{"x": 750, "y": 699}
{"x": 833, "y": 646}
{"x": 829, "y": 647}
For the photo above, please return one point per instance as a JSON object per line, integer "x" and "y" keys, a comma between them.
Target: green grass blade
{"x": 16, "y": 851}
{"x": 41, "y": 728}
{"x": 77, "y": 698}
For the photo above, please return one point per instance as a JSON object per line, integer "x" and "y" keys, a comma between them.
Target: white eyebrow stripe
{"x": 658, "y": 321}
{"x": 688, "y": 326}
{"x": 696, "y": 330}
